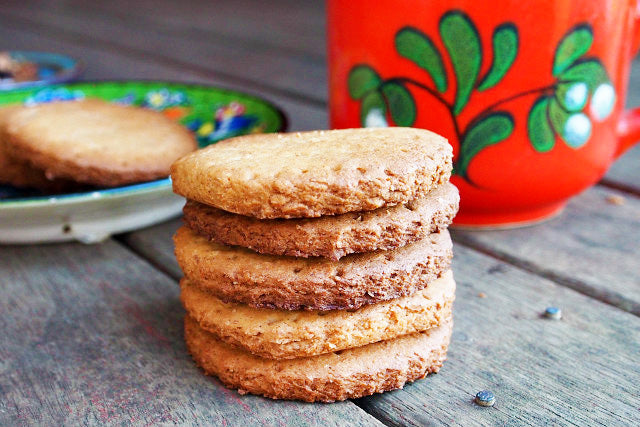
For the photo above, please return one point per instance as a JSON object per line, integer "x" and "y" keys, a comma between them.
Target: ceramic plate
{"x": 211, "y": 113}
{"x": 51, "y": 68}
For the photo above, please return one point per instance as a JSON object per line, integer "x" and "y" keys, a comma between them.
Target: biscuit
{"x": 309, "y": 174}
{"x": 96, "y": 142}
{"x": 236, "y": 274}
{"x": 283, "y": 334}
{"x": 353, "y": 373}
{"x": 332, "y": 237}
{"x": 20, "y": 173}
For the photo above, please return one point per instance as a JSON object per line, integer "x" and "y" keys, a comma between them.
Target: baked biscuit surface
{"x": 283, "y": 334}
{"x": 316, "y": 173}
{"x": 332, "y": 237}
{"x": 239, "y": 275}
{"x": 96, "y": 142}
{"x": 20, "y": 173}
{"x": 352, "y": 373}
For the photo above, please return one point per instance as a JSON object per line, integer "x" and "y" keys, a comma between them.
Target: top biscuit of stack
{"x": 312, "y": 174}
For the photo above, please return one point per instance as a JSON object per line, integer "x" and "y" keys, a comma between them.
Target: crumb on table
{"x": 615, "y": 199}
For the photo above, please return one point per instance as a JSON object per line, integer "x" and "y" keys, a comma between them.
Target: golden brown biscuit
{"x": 284, "y": 334}
{"x": 235, "y": 274}
{"x": 353, "y": 373}
{"x": 309, "y": 174}
{"x": 329, "y": 236}
{"x": 96, "y": 142}
{"x": 20, "y": 173}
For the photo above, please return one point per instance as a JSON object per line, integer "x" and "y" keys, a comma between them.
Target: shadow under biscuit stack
{"x": 318, "y": 264}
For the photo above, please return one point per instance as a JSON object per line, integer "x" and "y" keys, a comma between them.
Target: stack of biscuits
{"x": 317, "y": 264}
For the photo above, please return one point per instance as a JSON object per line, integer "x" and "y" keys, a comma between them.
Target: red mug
{"x": 529, "y": 94}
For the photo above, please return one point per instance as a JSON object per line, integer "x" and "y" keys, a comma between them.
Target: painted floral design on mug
{"x": 558, "y": 111}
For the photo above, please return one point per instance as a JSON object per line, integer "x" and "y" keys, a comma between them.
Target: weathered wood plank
{"x": 155, "y": 244}
{"x": 298, "y": 27}
{"x": 114, "y": 64}
{"x": 591, "y": 247}
{"x": 93, "y": 336}
{"x": 581, "y": 370}
{"x": 291, "y": 74}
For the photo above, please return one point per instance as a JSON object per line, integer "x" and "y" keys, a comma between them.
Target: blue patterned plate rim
{"x": 69, "y": 68}
{"x": 71, "y": 198}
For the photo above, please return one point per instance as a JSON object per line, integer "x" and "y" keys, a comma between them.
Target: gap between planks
{"x": 611, "y": 298}
{"x": 120, "y": 239}
{"x": 622, "y": 187}
{"x": 184, "y": 31}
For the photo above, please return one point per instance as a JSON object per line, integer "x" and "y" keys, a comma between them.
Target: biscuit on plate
{"x": 96, "y": 142}
{"x": 310, "y": 174}
{"x": 346, "y": 374}
{"x": 284, "y": 334}
{"x": 329, "y": 236}
{"x": 20, "y": 173}
{"x": 236, "y": 274}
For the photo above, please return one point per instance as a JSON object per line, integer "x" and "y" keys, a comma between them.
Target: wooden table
{"x": 93, "y": 334}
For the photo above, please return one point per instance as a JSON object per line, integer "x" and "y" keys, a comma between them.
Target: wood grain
{"x": 155, "y": 244}
{"x": 286, "y": 25}
{"x": 581, "y": 370}
{"x": 591, "y": 247}
{"x": 93, "y": 336}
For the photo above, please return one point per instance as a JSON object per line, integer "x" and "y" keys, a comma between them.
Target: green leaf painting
{"x": 572, "y": 46}
{"x": 460, "y": 37}
{"x": 416, "y": 46}
{"x": 540, "y": 132}
{"x": 486, "y": 131}
{"x": 557, "y": 116}
{"x": 505, "y": 50}
{"x": 401, "y": 104}
{"x": 362, "y": 79}
{"x": 557, "y": 113}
